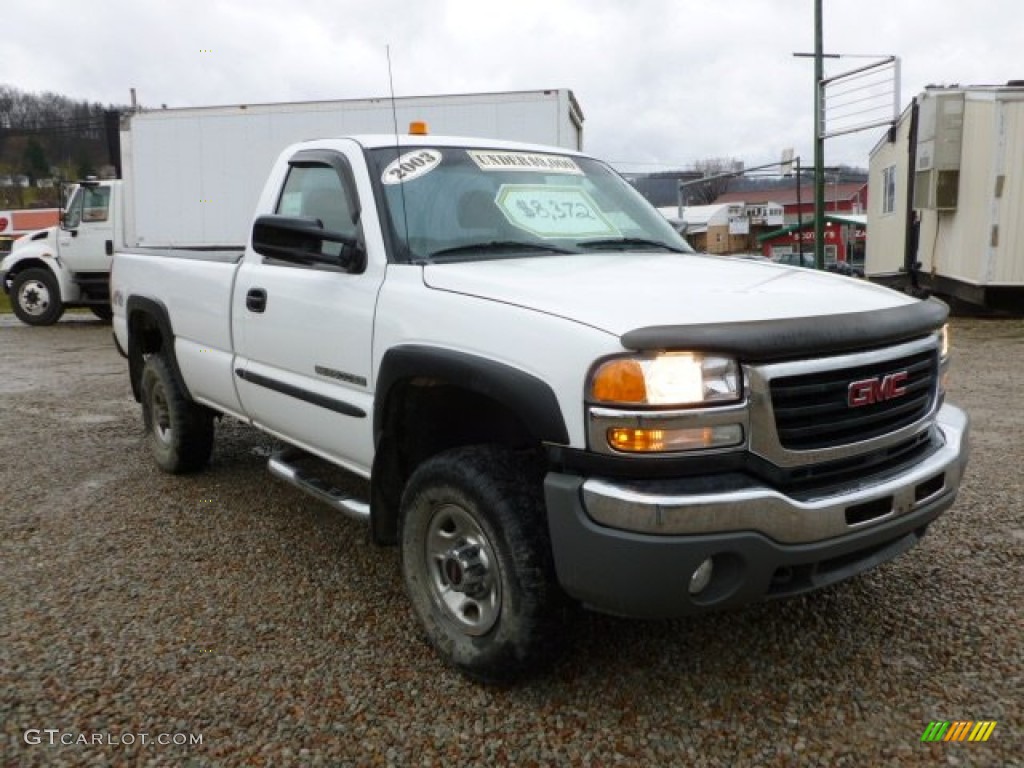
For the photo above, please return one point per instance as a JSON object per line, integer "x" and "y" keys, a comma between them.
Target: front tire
{"x": 180, "y": 432}
{"x": 477, "y": 564}
{"x": 35, "y": 297}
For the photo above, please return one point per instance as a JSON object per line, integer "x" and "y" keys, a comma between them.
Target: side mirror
{"x": 300, "y": 240}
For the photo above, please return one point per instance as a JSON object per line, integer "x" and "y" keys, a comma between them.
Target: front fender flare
{"x": 528, "y": 397}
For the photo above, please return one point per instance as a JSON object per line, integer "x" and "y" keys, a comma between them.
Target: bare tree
{"x": 50, "y": 126}
{"x": 717, "y": 172}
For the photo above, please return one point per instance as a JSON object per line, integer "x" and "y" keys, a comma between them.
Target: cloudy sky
{"x": 662, "y": 83}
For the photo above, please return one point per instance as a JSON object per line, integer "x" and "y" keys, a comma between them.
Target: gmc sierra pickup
{"x": 554, "y": 400}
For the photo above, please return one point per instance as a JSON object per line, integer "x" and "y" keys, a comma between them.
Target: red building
{"x": 14, "y": 224}
{"x": 849, "y": 197}
{"x": 845, "y": 237}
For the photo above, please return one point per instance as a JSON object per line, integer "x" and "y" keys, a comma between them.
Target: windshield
{"x": 459, "y": 204}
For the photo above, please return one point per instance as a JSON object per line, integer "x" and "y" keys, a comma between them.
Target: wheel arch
{"x": 32, "y": 262}
{"x": 150, "y": 332}
{"x": 429, "y": 400}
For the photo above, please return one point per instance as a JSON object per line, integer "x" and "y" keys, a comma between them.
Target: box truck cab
{"x": 52, "y": 269}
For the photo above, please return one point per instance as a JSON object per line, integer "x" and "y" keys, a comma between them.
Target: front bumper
{"x": 630, "y": 548}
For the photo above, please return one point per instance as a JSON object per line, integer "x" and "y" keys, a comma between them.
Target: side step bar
{"x": 281, "y": 465}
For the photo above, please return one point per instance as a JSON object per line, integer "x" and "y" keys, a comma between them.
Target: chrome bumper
{"x": 783, "y": 518}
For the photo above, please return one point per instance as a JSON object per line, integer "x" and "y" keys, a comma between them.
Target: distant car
{"x": 795, "y": 260}
{"x": 807, "y": 260}
{"x": 845, "y": 268}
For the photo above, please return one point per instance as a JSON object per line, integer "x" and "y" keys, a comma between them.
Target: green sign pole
{"x": 819, "y": 141}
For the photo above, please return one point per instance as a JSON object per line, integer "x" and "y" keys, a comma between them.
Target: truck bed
{"x": 196, "y": 294}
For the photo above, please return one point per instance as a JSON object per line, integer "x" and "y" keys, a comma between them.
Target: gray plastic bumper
{"x": 623, "y": 549}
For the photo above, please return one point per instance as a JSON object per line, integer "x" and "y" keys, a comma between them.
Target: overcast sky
{"x": 662, "y": 83}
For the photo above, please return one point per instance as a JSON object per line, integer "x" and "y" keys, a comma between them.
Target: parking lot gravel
{"x": 140, "y": 610}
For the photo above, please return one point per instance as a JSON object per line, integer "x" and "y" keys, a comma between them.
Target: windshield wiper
{"x": 628, "y": 242}
{"x": 500, "y": 246}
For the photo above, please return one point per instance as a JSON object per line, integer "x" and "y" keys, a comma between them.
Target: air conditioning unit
{"x": 939, "y": 145}
{"x": 937, "y": 190}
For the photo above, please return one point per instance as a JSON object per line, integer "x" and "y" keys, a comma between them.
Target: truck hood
{"x": 619, "y": 292}
{"x": 31, "y": 237}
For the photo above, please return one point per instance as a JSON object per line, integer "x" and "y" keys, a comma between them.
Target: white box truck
{"x": 192, "y": 177}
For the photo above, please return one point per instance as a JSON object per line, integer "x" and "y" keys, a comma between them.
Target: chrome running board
{"x": 281, "y": 465}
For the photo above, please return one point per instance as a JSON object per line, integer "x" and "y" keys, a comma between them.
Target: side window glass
{"x": 316, "y": 191}
{"x": 97, "y": 204}
{"x": 73, "y": 213}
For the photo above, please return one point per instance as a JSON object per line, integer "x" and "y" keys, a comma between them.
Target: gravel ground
{"x": 232, "y": 607}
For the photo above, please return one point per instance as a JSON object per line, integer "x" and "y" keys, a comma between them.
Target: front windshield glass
{"x": 459, "y": 204}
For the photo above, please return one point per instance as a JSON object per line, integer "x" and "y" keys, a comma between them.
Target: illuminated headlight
{"x": 943, "y": 335}
{"x": 944, "y": 342}
{"x": 669, "y": 379}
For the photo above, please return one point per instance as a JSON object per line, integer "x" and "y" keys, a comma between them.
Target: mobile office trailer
{"x": 191, "y": 177}
{"x": 946, "y": 211}
{"x": 184, "y": 168}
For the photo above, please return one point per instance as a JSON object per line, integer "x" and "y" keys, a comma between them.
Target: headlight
{"x": 943, "y": 361}
{"x": 944, "y": 342}
{"x": 670, "y": 378}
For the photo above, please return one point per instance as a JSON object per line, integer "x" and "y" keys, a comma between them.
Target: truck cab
{"x": 53, "y": 269}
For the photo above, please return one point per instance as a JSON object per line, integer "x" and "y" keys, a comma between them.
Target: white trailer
{"x": 946, "y": 210}
{"x": 192, "y": 177}
{"x": 195, "y": 174}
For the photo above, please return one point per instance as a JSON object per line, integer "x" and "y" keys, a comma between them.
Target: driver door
{"x": 86, "y": 235}
{"x": 303, "y": 333}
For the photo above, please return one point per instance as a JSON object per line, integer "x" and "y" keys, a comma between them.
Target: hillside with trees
{"x": 46, "y": 138}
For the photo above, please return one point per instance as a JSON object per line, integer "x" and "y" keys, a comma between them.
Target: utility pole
{"x": 819, "y": 141}
{"x": 799, "y": 214}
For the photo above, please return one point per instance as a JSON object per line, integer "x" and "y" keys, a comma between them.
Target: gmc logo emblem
{"x": 877, "y": 390}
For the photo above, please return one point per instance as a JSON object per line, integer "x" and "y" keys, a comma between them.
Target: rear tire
{"x": 180, "y": 432}
{"x": 35, "y": 297}
{"x": 477, "y": 563}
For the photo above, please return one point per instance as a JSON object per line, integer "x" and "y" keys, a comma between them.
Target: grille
{"x": 811, "y": 410}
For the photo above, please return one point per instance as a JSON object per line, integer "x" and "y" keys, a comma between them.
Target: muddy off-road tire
{"x": 477, "y": 564}
{"x": 180, "y": 432}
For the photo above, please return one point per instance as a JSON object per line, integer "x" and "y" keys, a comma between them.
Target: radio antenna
{"x": 391, "y": 85}
{"x": 398, "y": 151}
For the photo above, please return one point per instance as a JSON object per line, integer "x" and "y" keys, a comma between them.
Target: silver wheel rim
{"x": 34, "y": 297}
{"x": 161, "y": 415}
{"x": 462, "y": 570}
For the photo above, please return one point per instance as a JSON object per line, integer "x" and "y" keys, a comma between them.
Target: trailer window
{"x": 889, "y": 189}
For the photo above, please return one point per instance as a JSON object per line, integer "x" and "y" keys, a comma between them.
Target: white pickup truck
{"x": 553, "y": 399}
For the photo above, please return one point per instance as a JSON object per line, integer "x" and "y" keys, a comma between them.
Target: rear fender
{"x": 150, "y": 332}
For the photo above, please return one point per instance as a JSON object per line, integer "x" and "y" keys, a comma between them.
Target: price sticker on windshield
{"x": 553, "y": 211}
